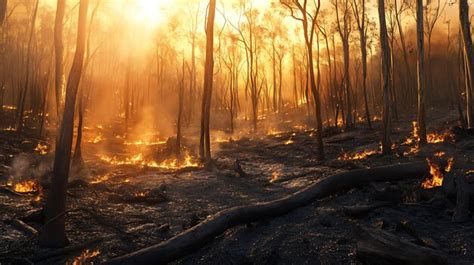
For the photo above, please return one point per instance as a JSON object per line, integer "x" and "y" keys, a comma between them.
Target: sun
{"x": 150, "y": 12}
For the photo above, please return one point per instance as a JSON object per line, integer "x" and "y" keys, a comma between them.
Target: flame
{"x": 10, "y": 129}
{"x": 290, "y": 141}
{"x": 437, "y": 174}
{"x": 141, "y": 194}
{"x": 273, "y": 132}
{"x": 436, "y": 179}
{"x": 434, "y": 138}
{"x": 146, "y": 143}
{"x": 99, "y": 138}
{"x": 41, "y": 149}
{"x": 275, "y": 176}
{"x": 358, "y": 156}
{"x": 85, "y": 256}
{"x": 27, "y": 186}
{"x": 431, "y": 138}
{"x": 9, "y": 107}
{"x": 140, "y": 160}
{"x": 100, "y": 179}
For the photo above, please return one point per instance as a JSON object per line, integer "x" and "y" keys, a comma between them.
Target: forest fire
{"x": 431, "y": 138}
{"x": 152, "y": 131}
{"x": 85, "y": 257}
{"x": 358, "y": 156}
{"x": 29, "y": 186}
{"x": 141, "y": 161}
{"x": 41, "y": 149}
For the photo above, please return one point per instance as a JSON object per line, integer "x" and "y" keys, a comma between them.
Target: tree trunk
{"x": 469, "y": 53}
{"x": 21, "y": 105}
{"x": 196, "y": 237}
{"x": 386, "y": 142}
{"x": 59, "y": 49}
{"x": 180, "y": 111}
{"x": 205, "y": 145}
{"x": 421, "y": 73}
{"x": 53, "y": 233}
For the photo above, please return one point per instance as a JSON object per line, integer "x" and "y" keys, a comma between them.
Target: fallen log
{"x": 381, "y": 247}
{"x": 196, "y": 237}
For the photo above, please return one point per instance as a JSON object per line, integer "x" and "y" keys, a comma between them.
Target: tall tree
{"x": 360, "y": 14}
{"x": 469, "y": 57}
{"x": 53, "y": 233}
{"x": 24, "y": 91}
{"x": 205, "y": 139}
{"x": 385, "y": 48}
{"x": 343, "y": 26}
{"x": 309, "y": 22}
{"x": 59, "y": 51}
{"x": 421, "y": 72}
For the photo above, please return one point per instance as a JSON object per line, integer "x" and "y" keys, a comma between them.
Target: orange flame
{"x": 140, "y": 160}
{"x": 26, "y": 187}
{"x": 41, "y": 149}
{"x": 436, "y": 174}
{"x": 85, "y": 256}
{"x": 358, "y": 156}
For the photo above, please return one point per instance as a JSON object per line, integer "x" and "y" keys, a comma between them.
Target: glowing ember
{"x": 10, "y": 129}
{"x": 146, "y": 143}
{"x": 100, "y": 179}
{"x": 273, "y": 132}
{"x": 358, "y": 156}
{"x": 275, "y": 176}
{"x": 142, "y": 194}
{"x": 96, "y": 139}
{"x": 434, "y": 138}
{"x": 431, "y": 138}
{"x": 140, "y": 160}
{"x": 290, "y": 141}
{"x": 414, "y": 135}
{"x": 41, "y": 149}
{"x": 85, "y": 257}
{"x": 26, "y": 187}
{"x": 440, "y": 154}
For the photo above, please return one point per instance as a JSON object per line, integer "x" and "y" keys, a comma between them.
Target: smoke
{"x": 27, "y": 166}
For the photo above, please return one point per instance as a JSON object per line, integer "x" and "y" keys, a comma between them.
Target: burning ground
{"x": 130, "y": 194}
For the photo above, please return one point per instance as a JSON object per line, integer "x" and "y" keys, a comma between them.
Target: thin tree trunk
{"x": 59, "y": 49}
{"x": 205, "y": 144}
{"x": 21, "y": 105}
{"x": 469, "y": 55}
{"x": 53, "y": 233}
{"x": 386, "y": 142}
{"x": 421, "y": 73}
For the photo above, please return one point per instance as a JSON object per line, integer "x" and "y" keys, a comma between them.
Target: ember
{"x": 358, "y": 156}
{"x": 41, "y": 149}
{"x": 140, "y": 160}
{"x": 85, "y": 257}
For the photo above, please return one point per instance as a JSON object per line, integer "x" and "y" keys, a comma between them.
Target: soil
{"x": 137, "y": 206}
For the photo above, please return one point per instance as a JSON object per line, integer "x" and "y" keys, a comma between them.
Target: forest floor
{"x": 131, "y": 198}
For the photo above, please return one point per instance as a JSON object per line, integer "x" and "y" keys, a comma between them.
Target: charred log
{"x": 196, "y": 237}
